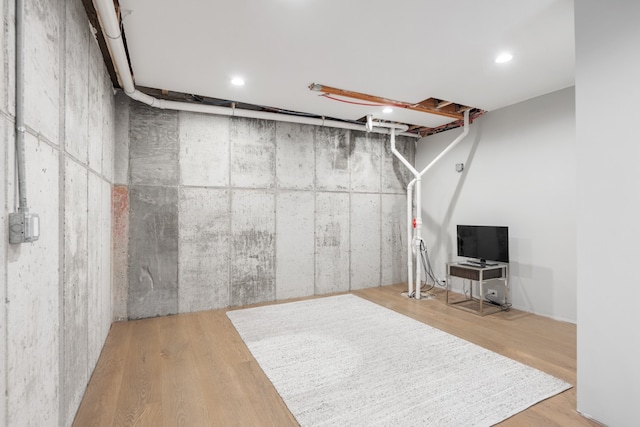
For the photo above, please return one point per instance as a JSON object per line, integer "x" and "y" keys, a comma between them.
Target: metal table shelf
{"x": 480, "y": 274}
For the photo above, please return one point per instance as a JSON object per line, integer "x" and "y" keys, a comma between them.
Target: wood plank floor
{"x": 194, "y": 370}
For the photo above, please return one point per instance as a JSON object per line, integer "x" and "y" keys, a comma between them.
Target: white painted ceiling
{"x": 406, "y": 50}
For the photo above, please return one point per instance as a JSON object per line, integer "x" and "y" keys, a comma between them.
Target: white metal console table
{"x": 480, "y": 274}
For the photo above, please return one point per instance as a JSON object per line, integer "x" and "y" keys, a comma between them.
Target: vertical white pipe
{"x": 409, "y": 211}
{"x": 410, "y": 237}
{"x": 418, "y": 233}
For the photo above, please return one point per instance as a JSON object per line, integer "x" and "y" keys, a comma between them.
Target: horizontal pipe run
{"x": 225, "y": 111}
{"x": 388, "y": 125}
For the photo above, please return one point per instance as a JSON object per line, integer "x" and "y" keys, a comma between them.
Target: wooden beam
{"x": 428, "y": 103}
{"x": 379, "y": 100}
{"x": 443, "y": 104}
{"x": 440, "y": 105}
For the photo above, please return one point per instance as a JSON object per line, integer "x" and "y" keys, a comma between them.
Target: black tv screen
{"x": 482, "y": 242}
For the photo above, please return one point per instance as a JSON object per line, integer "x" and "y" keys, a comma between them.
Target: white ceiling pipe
{"x": 400, "y": 156}
{"x": 213, "y": 109}
{"x": 388, "y": 125}
{"x": 460, "y": 137}
{"x": 111, "y": 29}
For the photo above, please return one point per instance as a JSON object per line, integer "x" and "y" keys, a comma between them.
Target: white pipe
{"x": 388, "y": 125}
{"x": 110, "y": 25}
{"x": 399, "y": 155}
{"x": 418, "y": 185}
{"x": 224, "y": 111}
{"x": 410, "y": 231}
{"x": 410, "y": 237}
{"x": 111, "y": 29}
{"x": 418, "y": 231}
{"x": 460, "y": 137}
{"x": 418, "y": 238}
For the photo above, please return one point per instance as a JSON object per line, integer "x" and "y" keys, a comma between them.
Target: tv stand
{"x": 481, "y": 274}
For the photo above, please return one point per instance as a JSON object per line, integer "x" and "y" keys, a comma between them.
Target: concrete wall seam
{"x": 51, "y": 341}
{"x": 287, "y": 189}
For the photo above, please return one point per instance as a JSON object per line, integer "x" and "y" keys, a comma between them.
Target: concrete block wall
{"x": 55, "y": 293}
{"x": 227, "y": 211}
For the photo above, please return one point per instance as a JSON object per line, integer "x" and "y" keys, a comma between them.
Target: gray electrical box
{"x": 23, "y": 227}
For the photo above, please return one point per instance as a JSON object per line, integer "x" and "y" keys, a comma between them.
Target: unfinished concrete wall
{"x": 204, "y": 248}
{"x": 365, "y": 229}
{"x": 232, "y": 211}
{"x": 332, "y": 242}
{"x": 153, "y": 265}
{"x": 295, "y": 244}
{"x": 252, "y": 255}
{"x": 120, "y": 208}
{"x": 393, "y": 235}
{"x": 55, "y": 292}
{"x": 4, "y": 139}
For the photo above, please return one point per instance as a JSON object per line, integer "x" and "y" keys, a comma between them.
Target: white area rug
{"x": 345, "y": 361}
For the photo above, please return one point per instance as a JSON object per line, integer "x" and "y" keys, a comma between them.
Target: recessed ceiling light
{"x": 237, "y": 81}
{"x": 503, "y": 57}
{"x": 387, "y": 110}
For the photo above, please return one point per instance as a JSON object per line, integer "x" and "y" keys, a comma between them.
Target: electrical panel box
{"x": 23, "y": 227}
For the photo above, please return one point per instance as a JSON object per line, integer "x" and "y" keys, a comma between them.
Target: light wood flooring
{"x": 194, "y": 370}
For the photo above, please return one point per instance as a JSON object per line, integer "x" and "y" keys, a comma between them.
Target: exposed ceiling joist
{"x": 431, "y": 105}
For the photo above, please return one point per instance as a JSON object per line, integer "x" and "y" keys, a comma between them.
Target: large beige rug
{"x": 345, "y": 361}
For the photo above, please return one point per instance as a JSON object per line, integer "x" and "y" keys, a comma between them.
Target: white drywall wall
{"x": 608, "y": 205}
{"x": 519, "y": 171}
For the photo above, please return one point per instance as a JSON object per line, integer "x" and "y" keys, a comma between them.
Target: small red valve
{"x": 414, "y": 223}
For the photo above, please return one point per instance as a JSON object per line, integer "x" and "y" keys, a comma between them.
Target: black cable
{"x": 428, "y": 271}
{"x": 504, "y": 306}
{"x": 424, "y": 267}
{"x": 426, "y": 264}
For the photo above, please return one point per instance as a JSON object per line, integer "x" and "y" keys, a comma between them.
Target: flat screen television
{"x": 483, "y": 243}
